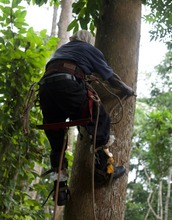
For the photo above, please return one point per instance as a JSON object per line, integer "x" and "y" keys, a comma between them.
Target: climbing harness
{"x": 92, "y": 78}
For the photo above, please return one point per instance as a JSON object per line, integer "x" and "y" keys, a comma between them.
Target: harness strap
{"x": 88, "y": 108}
{"x": 62, "y": 125}
{"x": 59, "y": 66}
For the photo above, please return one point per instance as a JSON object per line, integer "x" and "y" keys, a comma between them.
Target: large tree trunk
{"x": 118, "y": 36}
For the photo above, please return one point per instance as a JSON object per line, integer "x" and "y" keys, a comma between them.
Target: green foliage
{"x": 24, "y": 54}
{"x": 136, "y": 201}
{"x": 159, "y": 137}
{"x": 42, "y": 2}
{"x": 161, "y": 18}
{"x": 87, "y": 14}
{"x": 162, "y": 85}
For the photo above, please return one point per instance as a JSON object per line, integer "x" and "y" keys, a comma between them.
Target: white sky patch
{"x": 40, "y": 17}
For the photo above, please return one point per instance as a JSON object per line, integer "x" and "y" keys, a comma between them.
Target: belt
{"x": 61, "y": 66}
{"x": 56, "y": 77}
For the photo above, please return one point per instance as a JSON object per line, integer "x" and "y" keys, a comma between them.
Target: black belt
{"x": 56, "y": 77}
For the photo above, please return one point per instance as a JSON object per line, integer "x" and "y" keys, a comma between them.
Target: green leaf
{"x": 72, "y": 25}
{"x": 5, "y": 1}
{"x": 15, "y": 3}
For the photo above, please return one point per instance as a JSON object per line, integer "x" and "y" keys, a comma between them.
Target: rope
{"x": 58, "y": 176}
{"x": 47, "y": 197}
{"x": 97, "y": 101}
{"x": 93, "y": 78}
{"x": 29, "y": 102}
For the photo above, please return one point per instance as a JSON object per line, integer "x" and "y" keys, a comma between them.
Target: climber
{"x": 63, "y": 94}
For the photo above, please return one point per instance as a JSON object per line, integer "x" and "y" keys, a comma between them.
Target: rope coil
{"x": 30, "y": 101}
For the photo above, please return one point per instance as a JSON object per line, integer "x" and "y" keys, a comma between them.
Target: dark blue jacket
{"x": 87, "y": 57}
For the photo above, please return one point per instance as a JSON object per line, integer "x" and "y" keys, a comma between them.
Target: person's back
{"x": 86, "y": 56}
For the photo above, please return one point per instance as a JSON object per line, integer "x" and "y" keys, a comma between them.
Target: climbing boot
{"x": 105, "y": 169}
{"x": 63, "y": 193}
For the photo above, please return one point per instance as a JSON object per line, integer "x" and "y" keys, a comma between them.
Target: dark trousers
{"x": 64, "y": 99}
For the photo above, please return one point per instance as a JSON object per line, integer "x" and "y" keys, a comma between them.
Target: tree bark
{"x": 64, "y": 21}
{"x": 54, "y": 22}
{"x": 168, "y": 194}
{"x": 160, "y": 206}
{"x": 118, "y": 36}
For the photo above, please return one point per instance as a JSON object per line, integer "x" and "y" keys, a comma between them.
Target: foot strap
{"x": 49, "y": 171}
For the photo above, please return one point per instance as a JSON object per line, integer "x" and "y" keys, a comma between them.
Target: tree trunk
{"x": 168, "y": 194}
{"x": 160, "y": 206}
{"x": 64, "y": 21}
{"x": 118, "y": 35}
{"x": 54, "y": 22}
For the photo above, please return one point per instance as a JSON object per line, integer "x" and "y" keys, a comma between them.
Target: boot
{"x": 105, "y": 169}
{"x": 63, "y": 193}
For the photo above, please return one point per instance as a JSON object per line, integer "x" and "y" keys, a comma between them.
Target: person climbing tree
{"x": 64, "y": 94}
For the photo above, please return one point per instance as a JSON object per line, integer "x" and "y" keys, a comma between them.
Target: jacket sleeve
{"x": 116, "y": 82}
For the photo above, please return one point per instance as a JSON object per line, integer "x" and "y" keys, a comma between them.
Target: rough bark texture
{"x": 118, "y": 36}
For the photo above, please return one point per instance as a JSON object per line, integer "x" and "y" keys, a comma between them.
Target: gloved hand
{"x": 127, "y": 91}
{"x": 116, "y": 82}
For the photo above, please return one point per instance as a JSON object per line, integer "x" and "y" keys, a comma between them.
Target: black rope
{"x": 47, "y": 197}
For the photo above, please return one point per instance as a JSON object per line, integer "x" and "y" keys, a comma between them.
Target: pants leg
{"x": 59, "y": 101}
{"x": 56, "y": 139}
{"x": 103, "y": 129}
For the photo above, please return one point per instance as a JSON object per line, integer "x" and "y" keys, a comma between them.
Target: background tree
{"x": 152, "y": 149}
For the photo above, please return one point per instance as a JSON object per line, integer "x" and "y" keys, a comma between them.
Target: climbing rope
{"x": 93, "y": 161}
{"x": 92, "y": 78}
{"x": 58, "y": 176}
{"x": 96, "y": 99}
{"x": 30, "y": 101}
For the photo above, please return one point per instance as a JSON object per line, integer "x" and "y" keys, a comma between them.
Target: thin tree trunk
{"x": 149, "y": 201}
{"x": 71, "y": 138}
{"x": 64, "y": 21}
{"x": 118, "y": 36}
{"x": 149, "y": 210}
{"x": 54, "y": 22}
{"x": 168, "y": 194}
{"x": 160, "y": 213}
